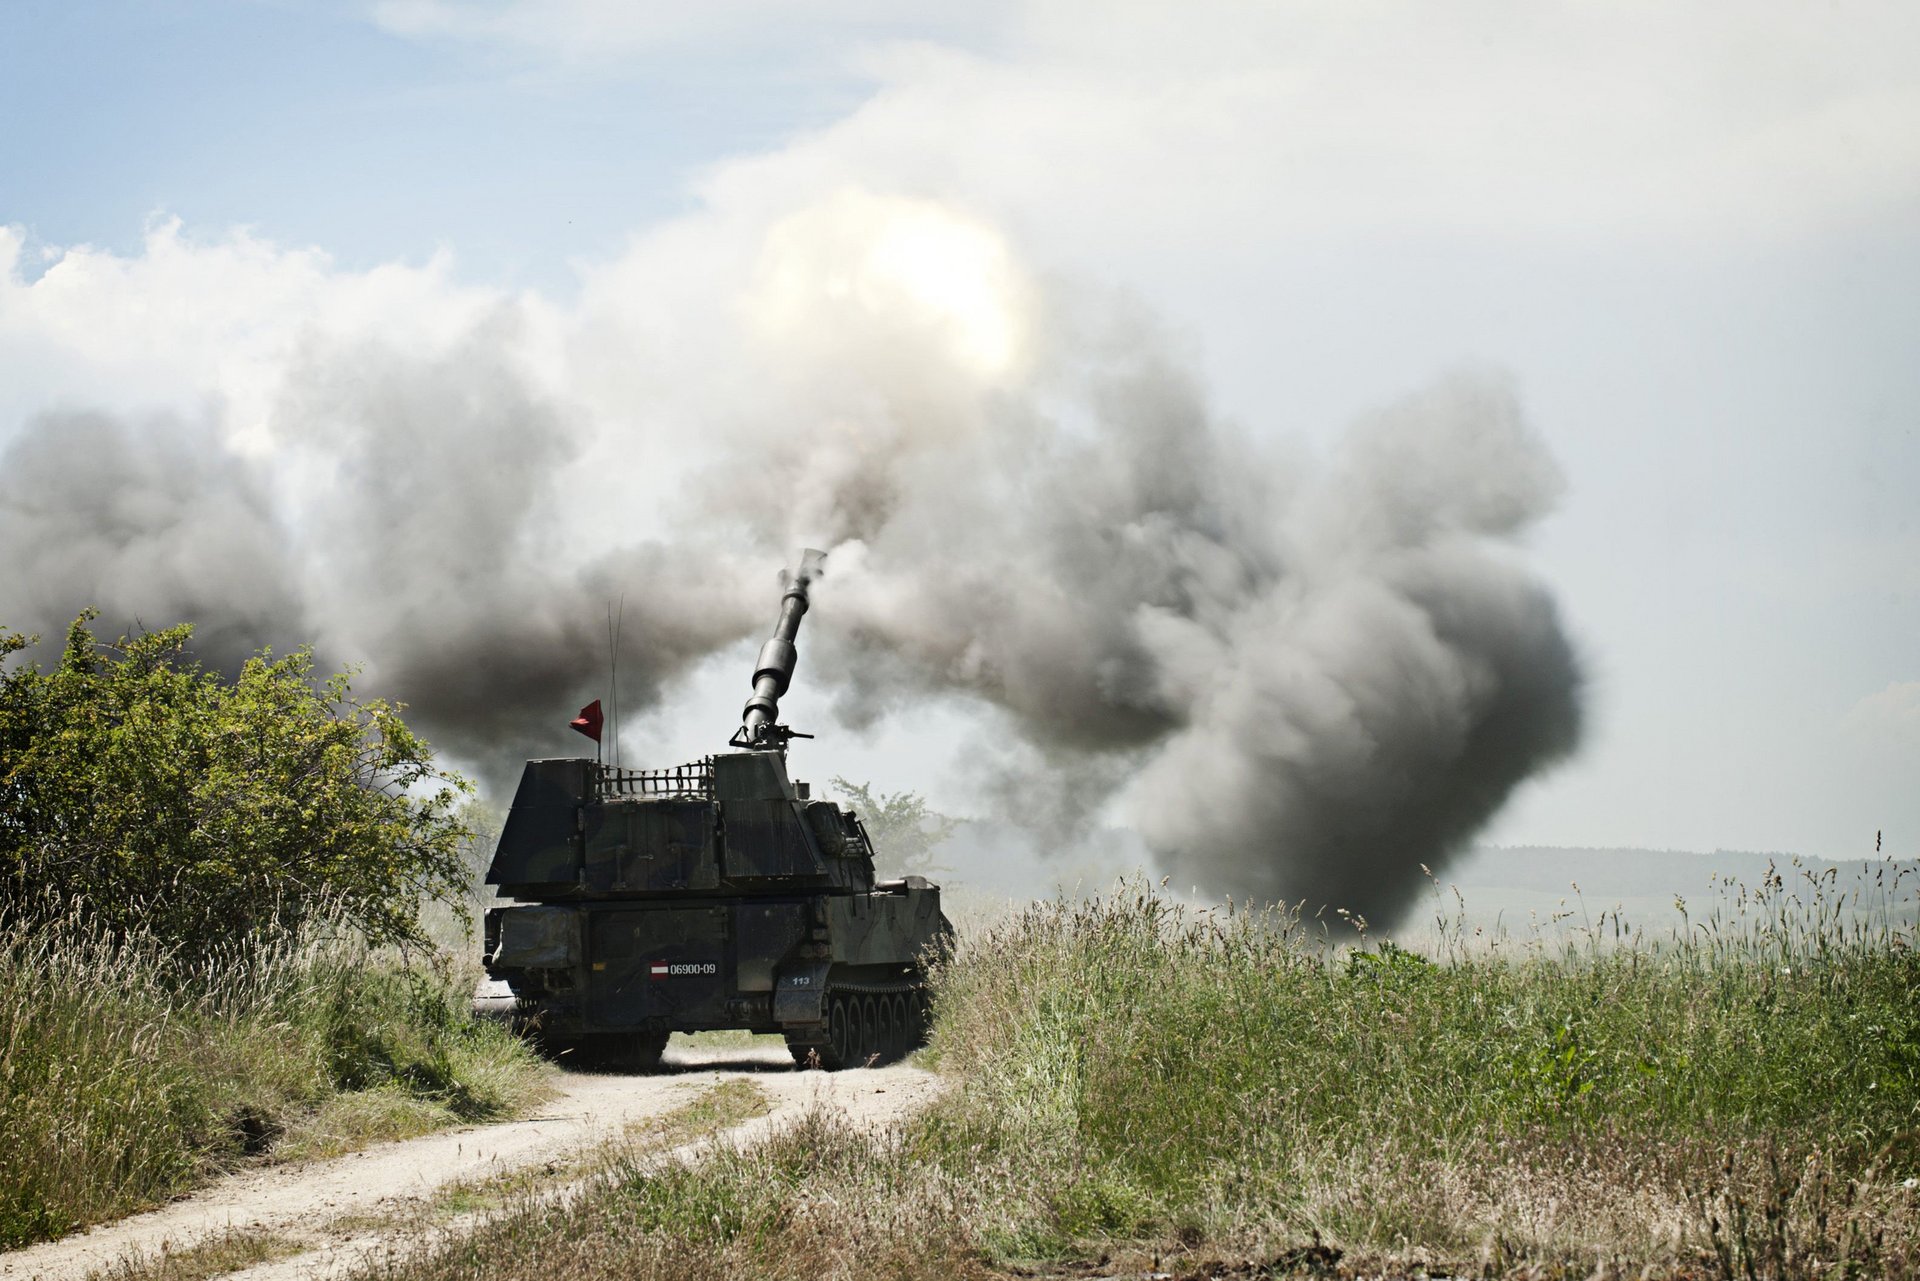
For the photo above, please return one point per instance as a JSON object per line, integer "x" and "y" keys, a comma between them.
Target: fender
{"x": 800, "y": 991}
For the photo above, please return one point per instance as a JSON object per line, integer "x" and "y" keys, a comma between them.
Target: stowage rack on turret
{"x": 707, "y": 896}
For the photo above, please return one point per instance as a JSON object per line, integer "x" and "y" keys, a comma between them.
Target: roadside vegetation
{"x": 1223, "y": 1093}
{"x": 211, "y": 946}
{"x": 212, "y": 950}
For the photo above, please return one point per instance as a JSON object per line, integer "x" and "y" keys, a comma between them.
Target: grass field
{"x": 1224, "y": 1091}
{"x": 128, "y": 1074}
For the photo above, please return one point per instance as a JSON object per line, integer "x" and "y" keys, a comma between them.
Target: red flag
{"x": 589, "y": 721}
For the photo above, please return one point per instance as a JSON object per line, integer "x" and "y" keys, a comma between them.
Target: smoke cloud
{"x": 407, "y": 523}
{"x": 151, "y": 520}
{"x": 1299, "y": 684}
{"x": 1297, "y": 677}
{"x": 433, "y": 512}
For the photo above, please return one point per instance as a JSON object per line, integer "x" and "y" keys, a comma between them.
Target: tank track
{"x": 604, "y": 1051}
{"x": 867, "y": 1024}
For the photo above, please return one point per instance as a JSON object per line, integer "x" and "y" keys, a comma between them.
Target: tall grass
{"x": 129, "y": 1071}
{"x": 1201, "y": 1073}
{"x": 1736, "y": 1099}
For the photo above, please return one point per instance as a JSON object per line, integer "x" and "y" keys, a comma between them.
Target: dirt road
{"x": 327, "y": 1207}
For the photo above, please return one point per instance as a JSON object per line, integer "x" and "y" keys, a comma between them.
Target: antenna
{"x": 613, "y": 679}
{"x": 619, "y": 624}
{"x": 615, "y": 622}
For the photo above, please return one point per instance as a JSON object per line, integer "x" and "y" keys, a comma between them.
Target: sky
{"x": 1686, "y": 235}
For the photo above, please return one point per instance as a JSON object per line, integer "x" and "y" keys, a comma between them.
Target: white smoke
{"x": 1300, "y": 679}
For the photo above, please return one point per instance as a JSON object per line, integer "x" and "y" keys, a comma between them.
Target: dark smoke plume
{"x": 1298, "y": 682}
{"x": 436, "y": 559}
{"x": 154, "y": 522}
{"x": 1300, "y": 688}
{"x": 404, "y": 524}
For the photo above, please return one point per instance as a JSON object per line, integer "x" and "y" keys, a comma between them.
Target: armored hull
{"x": 715, "y": 895}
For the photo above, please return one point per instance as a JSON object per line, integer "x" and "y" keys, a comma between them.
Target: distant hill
{"x": 1632, "y": 873}
{"x": 1516, "y": 885}
{"x": 1512, "y": 886}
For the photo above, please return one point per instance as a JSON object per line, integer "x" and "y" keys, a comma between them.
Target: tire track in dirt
{"x": 326, "y": 1205}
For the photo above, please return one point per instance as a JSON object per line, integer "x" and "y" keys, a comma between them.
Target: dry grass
{"x": 348, "y": 1122}
{"x": 127, "y": 1076}
{"x": 218, "y": 1257}
{"x": 1142, "y": 1087}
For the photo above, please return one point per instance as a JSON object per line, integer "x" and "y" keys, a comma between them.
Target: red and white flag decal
{"x": 658, "y": 969}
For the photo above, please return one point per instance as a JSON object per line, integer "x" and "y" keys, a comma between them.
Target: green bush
{"x": 198, "y": 877}
{"x": 164, "y": 798}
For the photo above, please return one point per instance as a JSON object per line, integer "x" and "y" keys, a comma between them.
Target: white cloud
{"x": 184, "y": 322}
{"x": 1129, "y": 128}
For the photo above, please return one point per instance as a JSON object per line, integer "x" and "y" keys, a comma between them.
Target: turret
{"x": 760, "y": 720}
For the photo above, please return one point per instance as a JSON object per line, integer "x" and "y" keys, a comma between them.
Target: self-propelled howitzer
{"x": 717, "y": 894}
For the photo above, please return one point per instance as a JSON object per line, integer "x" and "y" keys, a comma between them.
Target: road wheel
{"x": 921, "y": 1023}
{"x": 903, "y": 1039}
{"x": 883, "y": 1032}
{"x": 811, "y": 1050}
{"x": 869, "y": 1031}
{"x": 829, "y": 1046}
{"x": 840, "y": 1035}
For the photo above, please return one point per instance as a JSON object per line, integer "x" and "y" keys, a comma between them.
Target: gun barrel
{"x": 773, "y": 670}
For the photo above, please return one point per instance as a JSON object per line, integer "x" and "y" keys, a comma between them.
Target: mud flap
{"x": 538, "y": 938}
{"x": 799, "y": 994}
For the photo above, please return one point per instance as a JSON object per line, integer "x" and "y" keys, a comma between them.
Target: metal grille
{"x": 695, "y": 779}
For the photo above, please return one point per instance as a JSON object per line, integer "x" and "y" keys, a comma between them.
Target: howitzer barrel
{"x": 773, "y": 671}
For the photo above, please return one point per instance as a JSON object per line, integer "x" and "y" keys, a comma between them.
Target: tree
{"x": 905, "y": 833}
{"x": 153, "y": 794}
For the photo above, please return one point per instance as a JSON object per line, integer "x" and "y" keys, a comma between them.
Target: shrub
{"x": 164, "y": 798}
